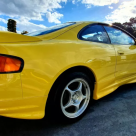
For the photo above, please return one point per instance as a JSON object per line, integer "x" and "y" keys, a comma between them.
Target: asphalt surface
{"x": 113, "y": 115}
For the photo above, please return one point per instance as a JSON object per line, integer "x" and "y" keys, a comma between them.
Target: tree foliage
{"x": 11, "y": 25}
{"x": 24, "y": 32}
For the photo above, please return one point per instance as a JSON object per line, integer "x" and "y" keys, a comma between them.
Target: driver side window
{"x": 95, "y": 33}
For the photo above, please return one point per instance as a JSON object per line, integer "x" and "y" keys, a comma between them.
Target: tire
{"x": 72, "y": 98}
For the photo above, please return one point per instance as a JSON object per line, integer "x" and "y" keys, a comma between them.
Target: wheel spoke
{"x": 83, "y": 97}
{"x": 70, "y": 91}
{"x": 69, "y": 104}
{"x": 80, "y": 90}
{"x": 76, "y": 107}
{"x": 80, "y": 87}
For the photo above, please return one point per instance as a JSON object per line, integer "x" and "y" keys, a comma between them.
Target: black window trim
{"x": 104, "y": 24}
{"x": 80, "y": 32}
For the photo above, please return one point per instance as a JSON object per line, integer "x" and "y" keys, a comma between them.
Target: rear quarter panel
{"x": 45, "y": 61}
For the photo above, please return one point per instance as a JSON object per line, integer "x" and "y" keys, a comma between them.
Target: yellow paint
{"x": 24, "y": 95}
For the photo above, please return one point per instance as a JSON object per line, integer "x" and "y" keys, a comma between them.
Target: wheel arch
{"x": 83, "y": 69}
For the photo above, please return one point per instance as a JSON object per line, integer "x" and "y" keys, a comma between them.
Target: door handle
{"x": 120, "y": 52}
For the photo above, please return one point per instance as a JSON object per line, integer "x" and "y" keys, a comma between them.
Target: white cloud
{"x": 89, "y": 3}
{"x": 124, "y": 12}
{"x": 2, "y": 28}
{"x": 24, "y": 11}
{"x": 24, "y": 25}
{"x": 3, "y": 20}
{"x": 110, "y": 7}
{"x": 30, "y": 9}
{"x": 73, "y": 1}
{"x": 54, "y": 17}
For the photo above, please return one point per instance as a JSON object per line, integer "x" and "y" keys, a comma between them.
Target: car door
{"x": 102, "y": 57}
{"x": 126, "y": 53}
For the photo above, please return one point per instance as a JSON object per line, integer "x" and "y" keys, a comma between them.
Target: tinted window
{"x": 49, "y": 30}
{"x": 119, "y": 37}
{"x": 95, "y": 33}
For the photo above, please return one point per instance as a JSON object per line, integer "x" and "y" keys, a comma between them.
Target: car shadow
{"x": 13, "y": 127}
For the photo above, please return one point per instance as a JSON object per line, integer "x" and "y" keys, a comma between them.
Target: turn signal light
{"x": 10, "y": 64}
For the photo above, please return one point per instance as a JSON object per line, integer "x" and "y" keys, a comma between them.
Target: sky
{"x": 32, "y": 15}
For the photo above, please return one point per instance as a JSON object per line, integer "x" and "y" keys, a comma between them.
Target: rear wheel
{"x": 73, "y": 96}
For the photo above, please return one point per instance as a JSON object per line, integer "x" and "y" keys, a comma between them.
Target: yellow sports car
{"x": 62, "y": 68}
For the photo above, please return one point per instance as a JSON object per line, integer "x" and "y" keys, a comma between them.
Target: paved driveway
{"x": 113, "y": 115}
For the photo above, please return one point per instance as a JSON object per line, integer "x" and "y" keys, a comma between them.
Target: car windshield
{"x": 50, "y": 29}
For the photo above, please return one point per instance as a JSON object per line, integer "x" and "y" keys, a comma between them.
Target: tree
{"x": 24, "y": 32}
{"x": 127, "y": 24}
{"x": 119, "y": 25}
{"x": 133, "y": 20}
{"x": 11, "y": 25}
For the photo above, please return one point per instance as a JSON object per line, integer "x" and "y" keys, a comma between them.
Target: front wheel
{"x": 74, "y": 93}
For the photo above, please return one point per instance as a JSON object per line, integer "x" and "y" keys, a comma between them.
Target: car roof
{"x": 88, "y": 22}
